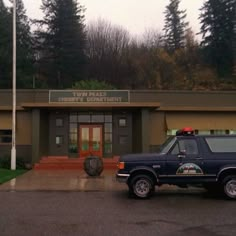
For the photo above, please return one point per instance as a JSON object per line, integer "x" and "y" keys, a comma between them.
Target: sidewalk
{"x": 74, "y": 180}
{"x": 63, "y": 180}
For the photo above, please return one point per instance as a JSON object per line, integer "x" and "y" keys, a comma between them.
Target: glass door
{"x": 90, "y": 140}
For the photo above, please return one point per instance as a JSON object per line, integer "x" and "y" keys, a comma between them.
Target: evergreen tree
{"x": 62, "y": 42}
{"x": 234, "y": 43}
{"x": 5, "y": 47}
{"x": 175, "y": 26}
{"x": 24, "y": 45}
{"x": 24, "y": 60}
{"x": 217, "y": 17}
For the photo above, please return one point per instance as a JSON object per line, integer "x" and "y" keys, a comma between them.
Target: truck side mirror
{"x": 182, "y": 152}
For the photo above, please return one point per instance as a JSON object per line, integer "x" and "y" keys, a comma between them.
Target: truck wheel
{"x": 229, "y": 186}
{"x": 142, "y": 186}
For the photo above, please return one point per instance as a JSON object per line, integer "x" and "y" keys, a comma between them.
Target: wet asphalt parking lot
{"x": 107, "y": 213}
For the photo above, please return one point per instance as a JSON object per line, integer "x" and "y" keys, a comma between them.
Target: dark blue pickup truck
{"x": 185, "y": 159}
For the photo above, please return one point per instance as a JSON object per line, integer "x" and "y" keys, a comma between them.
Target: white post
{"x": 13, "y": 150}
{"x": 234, "y": 42}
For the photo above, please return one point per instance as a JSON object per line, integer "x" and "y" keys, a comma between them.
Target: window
{"x": 108, "y": 138}
{"x": 73, "y": 138}
{"x": 59, "y": 122}
{"x": 97, "y": 118}
{"x": 175, "y": 150}
{"x": 187, "y": 145}
{"x": 166, "y": 146}
{"x": 73, "y": 134}
{"x": 122, "y": 122}
{"x": 73, "y": 128}
{"x": 203, "y": 132}
{"x": 212, "y": 132}
{"x": 59, "y": 140}
{"x": 108, "y": 118}
{"x": 108, "y": 127}
{"x": 73, "y": 117}
{"x": 5, "y": 136}
{"x": 171, "y": 132}
{"x": 84, "y": 118}
{"x": 219, "y": 132}
{"x": 221, "y": 144}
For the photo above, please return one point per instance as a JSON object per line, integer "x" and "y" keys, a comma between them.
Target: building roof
{"x": 153, "y": 99}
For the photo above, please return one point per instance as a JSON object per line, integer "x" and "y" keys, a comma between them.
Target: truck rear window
{"x": 221, "y": 144}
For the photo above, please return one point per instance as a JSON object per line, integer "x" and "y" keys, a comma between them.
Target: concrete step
{"x": 63, "y": 163}
{"x": 56, "y": 157}
{"x": 58, "y": 166}
{"x": 54, "y": 166}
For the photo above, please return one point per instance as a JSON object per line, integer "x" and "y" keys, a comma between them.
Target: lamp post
{"x": 13, "y": 149}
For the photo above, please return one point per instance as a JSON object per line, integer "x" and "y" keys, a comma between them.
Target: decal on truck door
{"x": 189, "y": 169}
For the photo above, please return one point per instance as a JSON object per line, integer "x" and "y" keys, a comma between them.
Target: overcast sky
{"x": 134, "y": 15}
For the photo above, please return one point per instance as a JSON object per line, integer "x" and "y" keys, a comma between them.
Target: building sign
{"x": 89, "y": 96}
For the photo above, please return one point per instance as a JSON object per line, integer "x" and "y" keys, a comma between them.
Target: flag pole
{"x": 13, "y": 149}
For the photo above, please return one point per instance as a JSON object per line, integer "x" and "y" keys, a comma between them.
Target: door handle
{"x": 181, "y": 156}
{"x": 199, "y": 158}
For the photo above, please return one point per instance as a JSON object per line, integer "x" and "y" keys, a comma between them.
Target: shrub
{"x": 93, "y": 85}
{"x": 5, "y": 162}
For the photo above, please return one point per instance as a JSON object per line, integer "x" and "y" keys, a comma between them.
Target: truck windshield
{"x": 165, "y": 147}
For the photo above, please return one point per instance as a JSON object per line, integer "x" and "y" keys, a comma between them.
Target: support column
{"x": 145, "y": 137}
{"x": 35, "y": 135}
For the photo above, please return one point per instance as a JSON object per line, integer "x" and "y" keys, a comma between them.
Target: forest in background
{"x": 62, "y": 52}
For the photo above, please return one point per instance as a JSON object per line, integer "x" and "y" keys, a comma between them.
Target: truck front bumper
{"x": 122, "y": 178}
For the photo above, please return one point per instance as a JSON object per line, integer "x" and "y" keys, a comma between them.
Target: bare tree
{"x": 152, "y": 38}
{"x": 106, "y": 49}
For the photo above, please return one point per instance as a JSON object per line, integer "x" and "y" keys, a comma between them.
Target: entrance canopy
{"x": 152, "y": 105}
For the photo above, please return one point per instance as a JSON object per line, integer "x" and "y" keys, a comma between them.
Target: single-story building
{"x": 78, "y": 123}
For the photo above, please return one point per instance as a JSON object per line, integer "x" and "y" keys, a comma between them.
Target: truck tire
{"x": 229, "y": 186}
{"x": 142, "y": 186}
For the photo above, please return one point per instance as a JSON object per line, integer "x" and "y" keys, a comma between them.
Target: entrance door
{"x": 90, "y": 140}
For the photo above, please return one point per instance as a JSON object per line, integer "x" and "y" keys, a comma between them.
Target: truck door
{"x": 184, "y": 163}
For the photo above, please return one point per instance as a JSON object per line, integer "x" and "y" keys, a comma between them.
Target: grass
{"x": 6, "y": 175}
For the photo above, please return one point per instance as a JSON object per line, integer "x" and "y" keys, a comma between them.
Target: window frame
{"x": 2, "y": 135}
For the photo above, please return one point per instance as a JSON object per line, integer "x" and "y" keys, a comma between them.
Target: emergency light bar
{"x": 185, "y": 131}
